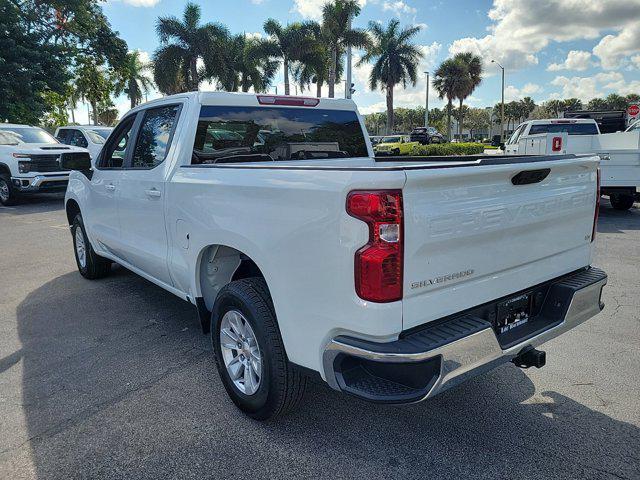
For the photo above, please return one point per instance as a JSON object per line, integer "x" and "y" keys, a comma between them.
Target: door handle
{"x": 110, "y": 187}
{"x": 153, "y": 193}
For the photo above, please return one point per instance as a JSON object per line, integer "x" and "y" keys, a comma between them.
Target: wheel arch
{"x": 4, "y": 168}
{"x": 217, "y": 265}
{"x": 72, "y": 208}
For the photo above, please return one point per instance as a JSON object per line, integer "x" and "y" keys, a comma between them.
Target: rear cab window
{"x": 570, "y": 128}
{"x": 230, "y": 134}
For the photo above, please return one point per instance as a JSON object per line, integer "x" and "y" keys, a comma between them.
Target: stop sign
{"x": 633, "y": 110}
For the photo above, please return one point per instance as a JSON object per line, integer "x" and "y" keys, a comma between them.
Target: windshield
{"x": 391, "y": 140}
{"x": 16, "y": 135}
{"x": 96, "y": 137}
{"x": 634, "y": 127}
{"x": 233, "y": 134}
{"x": 102, "y": 132}
{"x": 570, "y": 128}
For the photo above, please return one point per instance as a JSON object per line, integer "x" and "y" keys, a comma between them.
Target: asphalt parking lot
{"x": 113, "y": 379}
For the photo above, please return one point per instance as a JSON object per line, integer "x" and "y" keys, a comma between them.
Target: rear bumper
{"x": 41, "y": 183}
{"x": 444, "y": 353}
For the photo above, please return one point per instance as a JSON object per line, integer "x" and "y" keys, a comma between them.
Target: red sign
{"x": 633, "y": 110}
{"x": 556, "y": 144}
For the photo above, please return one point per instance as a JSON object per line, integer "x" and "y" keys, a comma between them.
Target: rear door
{"x": 143, "y": 192}
{"x": 473, "y": 236}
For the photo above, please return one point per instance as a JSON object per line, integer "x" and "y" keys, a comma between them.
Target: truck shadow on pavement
{"x": 118, "y": 382}
{"x": 41, "y": 203}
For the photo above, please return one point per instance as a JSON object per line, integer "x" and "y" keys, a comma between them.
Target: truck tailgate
{"x": 472, "y": 235}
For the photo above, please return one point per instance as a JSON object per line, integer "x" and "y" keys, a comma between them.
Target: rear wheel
{"x": 249, "y": 352}
{"x": 621, "y": 201}
{"x": 90, "y": 264}
{"x": 8, "y": 195}
{"x": 396, "y": 152}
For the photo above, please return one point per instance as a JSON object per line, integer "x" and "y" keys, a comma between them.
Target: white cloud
{"x": 399, "y": 7}
{"x": 257, "y": 2}
{"x": 313, "y": 8}
{"x": 614, "y": 50}
{"x": 599, "y": 85}
{"x": 513, "y": 93}
{"x": 521, "y": 29}
{"x": 576, "y": 60}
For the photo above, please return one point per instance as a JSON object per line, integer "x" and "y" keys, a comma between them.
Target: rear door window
{"x": 235, "y": 134}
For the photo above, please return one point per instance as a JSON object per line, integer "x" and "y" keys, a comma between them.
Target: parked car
{"x": 390, "y": 280}
{"x": 621, "y": 150}
{"x": 86, "y": 136}
{"x": 30, "y": 162}
{"x": 426, "y": 135}
{"x": 395, "y": 145}
{"x": 376, "y": 139}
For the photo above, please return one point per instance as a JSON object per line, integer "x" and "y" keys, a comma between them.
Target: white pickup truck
{"x": 390, "y": 280}
{"x": 620, "y": 152}
{"x": 30, "y": 162}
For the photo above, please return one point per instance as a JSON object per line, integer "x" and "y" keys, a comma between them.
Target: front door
{"x": 101, "y": 217}
{"x": 142, "y": 193}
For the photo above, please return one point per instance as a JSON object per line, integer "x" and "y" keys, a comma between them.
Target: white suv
{"x": 86, "y": 136}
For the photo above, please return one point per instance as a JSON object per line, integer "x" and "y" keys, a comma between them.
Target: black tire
{"x": 396, "y": 152}
{"x": 621, "y": 201}
{"x": 94, "y": 266}
{"x": 281, "y": 386}
{"x": 8, "y": 195}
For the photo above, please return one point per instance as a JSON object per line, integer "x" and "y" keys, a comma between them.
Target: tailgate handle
{"x": 528, "y": 177}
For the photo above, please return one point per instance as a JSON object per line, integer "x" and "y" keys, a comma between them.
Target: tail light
{"x": 379, "y": 264}
{"x": 289, "y": 101}
{"x": 597, "y": 212}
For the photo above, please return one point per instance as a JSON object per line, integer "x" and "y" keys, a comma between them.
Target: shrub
{"x": 444, "y": 149}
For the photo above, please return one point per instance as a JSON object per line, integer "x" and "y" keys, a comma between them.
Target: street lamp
{"x": 501, "y": 105}
{"x": 426, "y": 108}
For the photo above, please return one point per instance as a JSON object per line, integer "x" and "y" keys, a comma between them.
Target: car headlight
{"x": 24, "y": 166}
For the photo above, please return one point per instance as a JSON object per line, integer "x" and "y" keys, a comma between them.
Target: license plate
{"x": 513, "y": 313}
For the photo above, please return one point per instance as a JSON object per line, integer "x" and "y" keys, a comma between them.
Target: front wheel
{"x": 90, "y": 264}
{"x": 8, "y": 195}
{"x": 396, "y": 152}
{"x": 621, "y": 201}
{"x": 249, "y": 352}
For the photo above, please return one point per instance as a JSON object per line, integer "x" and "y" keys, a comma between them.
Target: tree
{"x": 291, "y": 43}
{"x": 315, "y": 62}
{"x": 93, "y": 84}
{"x": 597, "y": 104}
{"x": 395, "y": 60}
{"x": 477, "y": 119}
{"x": 616, "y": 102}
{"x": 132, "y": 79}
{"x": 633, "y": 98}
{"x": 527, "y": 106}
{"x": 251, "y": 64}
{"x": 554, "y": 107}
{"x": 185, "y": 43}
{"x": 339, "y": 35}
{"x": 449, "y": 82}
{"x": 571, "y": 105}
{"x": 40, "y": 44}
{"x": 471, "y": 79}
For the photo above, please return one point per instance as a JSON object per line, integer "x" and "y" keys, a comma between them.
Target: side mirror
{"x": 80, "y": 161}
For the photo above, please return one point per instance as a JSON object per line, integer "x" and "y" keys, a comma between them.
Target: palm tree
{"x": 337, "y": 32}
{"x": 290, "y": 42}
{"x": 449, "y": 82}
{"x": 472, "y": 78}
{"x": 132, "y": 78}
{"x": 250, "y": 64}
{"x": 183, "y": 43}
{"x": 395, "y": 60}
{"x": 315, "y": 63}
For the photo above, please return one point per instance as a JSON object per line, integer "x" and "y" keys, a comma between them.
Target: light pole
{"x": 501, "y": 105}
{"x": 426, "y": 107}
{"x": 347, "y": 89}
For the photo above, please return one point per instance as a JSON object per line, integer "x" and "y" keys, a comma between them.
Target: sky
{"x": 549, "y": 48}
